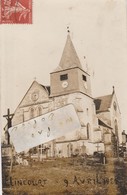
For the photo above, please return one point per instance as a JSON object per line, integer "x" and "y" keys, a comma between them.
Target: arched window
{"x": 115, "y": 106}
{"x": 32, "y": 113}
{"x": 39, "y": 111}
{"x": 88, "y": 130}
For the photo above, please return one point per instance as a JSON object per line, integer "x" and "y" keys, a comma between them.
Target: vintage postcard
{"x": 63, "y": 75}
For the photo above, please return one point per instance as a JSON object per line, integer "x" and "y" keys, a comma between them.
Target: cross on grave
{"x": 9, "y": 122}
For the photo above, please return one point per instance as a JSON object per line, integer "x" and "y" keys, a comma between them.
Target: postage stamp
{"x": 15, "y": 11}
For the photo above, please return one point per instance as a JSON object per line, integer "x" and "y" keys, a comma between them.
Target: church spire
{"x": 69, "y": 57}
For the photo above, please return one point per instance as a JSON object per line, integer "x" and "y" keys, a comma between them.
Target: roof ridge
{"x": 103, "y": 96}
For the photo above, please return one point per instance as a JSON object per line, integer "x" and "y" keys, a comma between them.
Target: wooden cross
{"x": 9, "y": 122}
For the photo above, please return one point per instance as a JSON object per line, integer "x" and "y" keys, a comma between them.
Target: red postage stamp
{"x": 15, "y": 11}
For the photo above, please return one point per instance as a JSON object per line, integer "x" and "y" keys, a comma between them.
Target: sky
{"x": 98, "y": 29}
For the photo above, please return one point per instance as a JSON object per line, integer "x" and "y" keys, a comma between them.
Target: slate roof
{"x": 103, "y": 103}
{"x": 103, "y": 123}
{"x": 69, "y": 57}
{"x": 47, "y": 88}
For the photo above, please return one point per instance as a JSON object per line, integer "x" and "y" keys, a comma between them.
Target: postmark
{"x": 15, "y": 11}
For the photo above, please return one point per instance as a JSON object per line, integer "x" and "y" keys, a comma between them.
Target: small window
{"x": 63, "y": 77}
{"x": 87, "y": 111}
{"x": 84, "y": 77}
{"x": 115, "y": 106}
{"x": 32, "y": 113}
{"x": 39, "y": 111}
{"x": 88, "y": 131}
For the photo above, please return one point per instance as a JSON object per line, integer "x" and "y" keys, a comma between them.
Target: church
{"x": 100, "y": 117}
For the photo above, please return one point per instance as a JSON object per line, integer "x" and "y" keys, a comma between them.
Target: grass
{"x": 69, "y": 176}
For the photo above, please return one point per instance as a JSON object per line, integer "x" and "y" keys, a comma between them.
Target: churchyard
{"x": 67, "y": 176}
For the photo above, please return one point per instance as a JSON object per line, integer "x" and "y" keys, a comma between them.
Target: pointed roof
{"x": 45, "y": 88}
{"x": 69, "y": 57}
{"x": 103, "y": 103}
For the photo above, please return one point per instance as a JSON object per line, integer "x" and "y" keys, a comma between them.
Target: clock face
{"x": 64, "y": 84}
{"x": 35, "y": 96}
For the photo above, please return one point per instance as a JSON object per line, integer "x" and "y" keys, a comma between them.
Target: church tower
{"x": 69, "y": 76}
{"x": 70, "y": 84}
